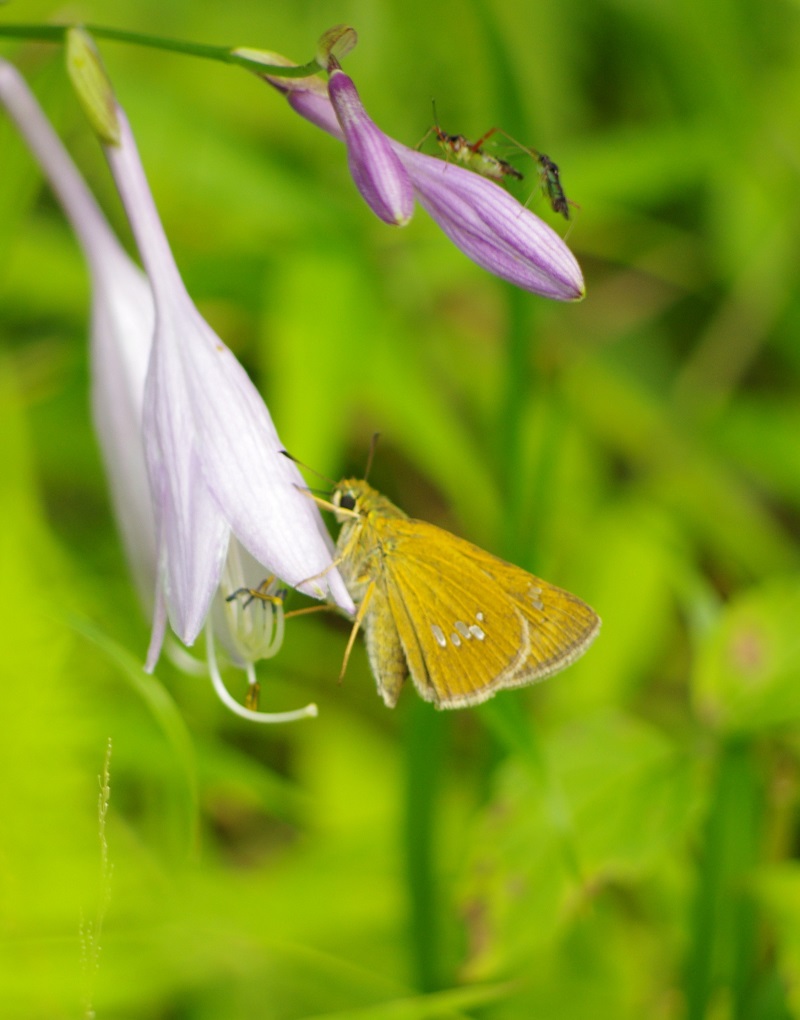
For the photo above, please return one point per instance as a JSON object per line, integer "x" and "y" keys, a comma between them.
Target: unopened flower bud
{"x": 379, "y": 175}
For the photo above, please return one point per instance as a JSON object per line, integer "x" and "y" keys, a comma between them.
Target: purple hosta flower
{"x": 374, "y": 166}
{"x": 478, "y": 215}
{"x": 214, "y": 459}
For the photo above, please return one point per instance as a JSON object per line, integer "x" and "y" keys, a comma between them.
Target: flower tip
{"x": 378, "y": 173}
{"x": 92, "y": 85}
{"x": 336, "y": 43}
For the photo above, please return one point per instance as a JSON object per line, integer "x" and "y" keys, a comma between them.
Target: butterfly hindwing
{"x": 384, "y": 648}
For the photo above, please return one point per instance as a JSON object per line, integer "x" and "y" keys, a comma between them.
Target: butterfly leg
{"x": 322, "y": 607}
{"x": 362, "y": 612}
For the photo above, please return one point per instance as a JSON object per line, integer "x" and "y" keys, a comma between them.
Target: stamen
{"x": 308, "y": 712}
{"x": 255, "y": 624}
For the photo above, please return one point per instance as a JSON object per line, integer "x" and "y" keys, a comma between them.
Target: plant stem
{"x": 424, "y": 751}
{"x": 224, "y": 54}
{"x": 724, "y": 924}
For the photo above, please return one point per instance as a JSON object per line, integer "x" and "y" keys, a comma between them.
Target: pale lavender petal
{"x": 121, "y": 331}
{"x": 262, "y": 493}
{"x": 121, "y": 338}
{"x": 192, "y": 532}
{"x": 158, "y": 631}
{"x": 213, "y": 453}
{"x": 374, "y": 166}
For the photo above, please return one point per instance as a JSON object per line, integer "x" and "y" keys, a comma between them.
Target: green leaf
{"x": 747, "y": 672}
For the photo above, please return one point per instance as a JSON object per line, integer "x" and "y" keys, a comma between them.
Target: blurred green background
{"x": 620, "y": 841}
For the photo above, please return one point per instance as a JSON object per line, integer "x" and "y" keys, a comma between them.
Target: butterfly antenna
{"x": 375, "y": 437}
{"x": 328, "y": 481}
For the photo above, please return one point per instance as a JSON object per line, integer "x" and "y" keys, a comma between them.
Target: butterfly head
{"x": 350, "y": 498}
{"x": 355, "y": 499}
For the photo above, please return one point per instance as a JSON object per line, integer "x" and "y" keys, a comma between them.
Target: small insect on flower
{"x": 471, "y": 154}
{"x": 461, "y": 622}
{"x": 474, "y": 157}
{"x": 550, "y": 180}
{"x": 548, "y": 173}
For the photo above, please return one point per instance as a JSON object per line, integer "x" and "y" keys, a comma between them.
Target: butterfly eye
{"x": 347, "y": 502}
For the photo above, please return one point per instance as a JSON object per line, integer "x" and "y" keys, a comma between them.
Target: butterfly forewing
{"x": 562, "y": 626}
{"x": 467, "y": 635}
{"x": 450, "y": 663}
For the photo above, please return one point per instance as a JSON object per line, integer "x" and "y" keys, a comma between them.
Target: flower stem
{"x": 511, "y": 420}
{"x": 224, "y": 54}
{"x": 425, "y": 742}
{"x": 723, "y": 931}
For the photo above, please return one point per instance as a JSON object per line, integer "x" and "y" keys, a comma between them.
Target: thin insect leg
{"x": 571, "y": 223}
{"x": 549, "y": 175}
{"x": 258, "y": 593}
{"x": 498, "y": 130}
{"x": 431, "y": 130}
{"x": 476, "y": 146}
{"x": 321, "y": 607}
{"x": 362, "y": 612}
{"x": 539, "y": 157}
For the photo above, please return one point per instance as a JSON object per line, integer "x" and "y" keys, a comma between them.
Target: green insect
{"x": 473, "y": 156}
{"x": 550, "y": 179}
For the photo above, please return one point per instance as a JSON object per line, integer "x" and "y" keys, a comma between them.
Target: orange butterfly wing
{"x": 469, "y": 623}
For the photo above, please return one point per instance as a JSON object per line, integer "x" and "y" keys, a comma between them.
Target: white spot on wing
{"x": 463, "y": 630}
{"x": 438, "y": 633}
{"x": 455, "y": 639}
{"x": 479, "y": 617}
{"x": 477, "y": 632}
{"x": 533, "y": 595}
